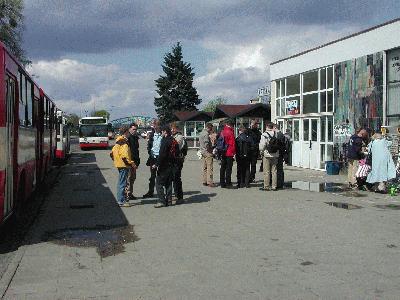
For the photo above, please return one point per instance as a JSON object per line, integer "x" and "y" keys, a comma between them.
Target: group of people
{"x": 167, "y": 149}
{"x": 370, "y": 163}
{"x": 246, "y": 149}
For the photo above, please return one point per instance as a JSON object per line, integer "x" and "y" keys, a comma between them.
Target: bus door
{"x": 10, "y": 153}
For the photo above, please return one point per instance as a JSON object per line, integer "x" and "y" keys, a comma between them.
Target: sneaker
{"x": 264, "y": 189}
{"x": 274, "y": 189}
{"x": 159, "y": 204}
{"x": 148, "y": 195}
{"x": 125, "y": 204}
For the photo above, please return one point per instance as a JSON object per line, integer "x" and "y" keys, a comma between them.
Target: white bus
{"x": 93, "y": 132}
{"x": 63, "y": 143}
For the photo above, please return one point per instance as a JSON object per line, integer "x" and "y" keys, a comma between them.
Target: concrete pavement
{"x": 220, "y": 244}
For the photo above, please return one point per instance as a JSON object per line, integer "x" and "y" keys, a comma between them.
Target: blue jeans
{"x": 121, "y": 185}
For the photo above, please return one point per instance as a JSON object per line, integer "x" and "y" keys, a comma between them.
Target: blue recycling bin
{"x": 332, "y": 167}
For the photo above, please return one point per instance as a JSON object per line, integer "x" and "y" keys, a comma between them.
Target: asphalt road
{"x": 220, "y": 244}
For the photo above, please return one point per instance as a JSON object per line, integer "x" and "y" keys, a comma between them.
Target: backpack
{"x": 220, "y": 145}
{"x": 184, "y": 149}
{"x": 273, "y": 145}
{"x": 174, "y": 150}
{"x": 244, "y": 149}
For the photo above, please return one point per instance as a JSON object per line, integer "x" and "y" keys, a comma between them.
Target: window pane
{"x": 283, "y": 90}
{"x": 330, "y": 78}
{"x": 322, "y": 102}
{"x": 314, "y": 130}
{"x": 278, "y": 88}
{"x": 330, "y": 129}
{"x": 190, "y": 129}
{"x": 278, "y": 107}
{"x": 329, "y": 152}
{"x": 330, "y": 101}
{"x": 293, "y": 85}
{"x": 200, "y": 127}
{"x": 393, "y": 98}
{"x": 29, "y": 102}
{"x": 322, "y": 166}
{"x": 310, "y": 81}
{"x": 322, "y": 80}
{"x": 22, "y": 102}
{"x": 283, "y": 110}
{"x": 296, "y": 130}
{"x": 310, "y": 103}
{"x": 323, "y": 129}
{"x": 306, "y": 130}
{"x": 289, "y": 129}
{"x": 292, "y": 106}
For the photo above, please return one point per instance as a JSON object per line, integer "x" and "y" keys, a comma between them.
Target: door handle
{"x": 310, "y": 145}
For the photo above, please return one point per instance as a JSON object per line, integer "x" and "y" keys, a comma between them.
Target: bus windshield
{"x": 93, "y": 131}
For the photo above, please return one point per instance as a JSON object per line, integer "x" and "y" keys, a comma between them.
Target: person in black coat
{"x": 244, "y": 147}
{"x": 165, "y": 165}
{"x": 255, "y": 134}
{"x": 133, "y": 142}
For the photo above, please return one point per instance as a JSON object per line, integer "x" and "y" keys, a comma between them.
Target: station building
{"x": 321, "y": 95}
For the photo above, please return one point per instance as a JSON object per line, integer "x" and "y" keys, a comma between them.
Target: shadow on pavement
{"x": 81, "y": 211}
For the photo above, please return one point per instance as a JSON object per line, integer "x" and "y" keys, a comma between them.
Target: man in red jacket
{"x": 227, "y": 157}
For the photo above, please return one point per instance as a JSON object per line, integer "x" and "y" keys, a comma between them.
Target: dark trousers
{"x": 253, "y": 166}
{"x": 225, "y": 173}
{"x": 178, "y": 180}
{"x": 243, "y": 172}
{"x": 164, "y": 184}
{"x": 152, "y": 180}
{"x": 280, "y": 173}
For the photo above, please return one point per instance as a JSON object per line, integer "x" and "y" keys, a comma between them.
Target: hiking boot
{"x": 148, "y": 195}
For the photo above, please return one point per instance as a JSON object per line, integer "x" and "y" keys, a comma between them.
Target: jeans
{"x": 122, "y": 184}
{"x": 225, "y": 172}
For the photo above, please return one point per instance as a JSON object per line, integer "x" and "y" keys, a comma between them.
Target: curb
{"x": 13, "y": 266}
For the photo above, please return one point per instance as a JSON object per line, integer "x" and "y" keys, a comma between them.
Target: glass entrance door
{"x": 310, "y": 143}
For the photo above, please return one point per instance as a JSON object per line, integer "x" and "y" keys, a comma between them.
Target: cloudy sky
{"x": 107, "y": 53}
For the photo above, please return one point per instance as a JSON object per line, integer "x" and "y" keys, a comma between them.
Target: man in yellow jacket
{"x": 121, "y": 156}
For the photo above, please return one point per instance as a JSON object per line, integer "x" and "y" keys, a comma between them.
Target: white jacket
{"x": 264, "y": 142}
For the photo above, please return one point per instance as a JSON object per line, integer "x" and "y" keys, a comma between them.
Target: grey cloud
{"x": 57, "y": 27}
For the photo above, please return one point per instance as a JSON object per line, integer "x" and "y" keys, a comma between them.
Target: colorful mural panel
{"x": 359, "y": 92}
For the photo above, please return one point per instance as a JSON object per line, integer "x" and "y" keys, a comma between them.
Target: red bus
{"x": 27, "y": 134}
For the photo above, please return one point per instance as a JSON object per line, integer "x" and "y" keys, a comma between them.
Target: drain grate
{"x": 83, "y": 206}
{"x": 343, "y": 205}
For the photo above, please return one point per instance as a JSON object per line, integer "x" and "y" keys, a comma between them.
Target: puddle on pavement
{"x": 107, "y": 240}
{"x": 343, "y": 205}
{"x": 324, "y": 187}
{"x": 389, "y": 206}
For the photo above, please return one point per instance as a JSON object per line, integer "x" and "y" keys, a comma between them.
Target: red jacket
{"x": 229, "y": 138}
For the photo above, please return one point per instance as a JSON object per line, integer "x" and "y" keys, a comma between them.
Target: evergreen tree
{"x": 175, "y": 88}
{"x": 11, "y": 26}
